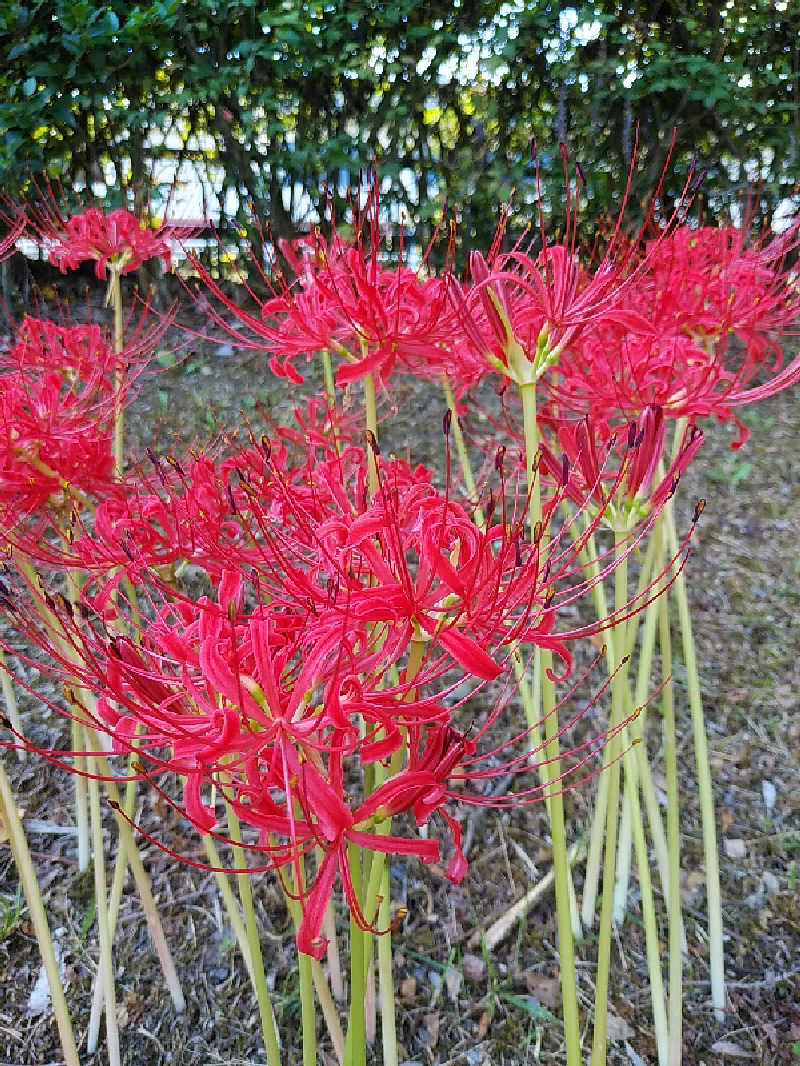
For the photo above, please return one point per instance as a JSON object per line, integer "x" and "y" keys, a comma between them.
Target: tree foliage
{"x": 268, "y": 102}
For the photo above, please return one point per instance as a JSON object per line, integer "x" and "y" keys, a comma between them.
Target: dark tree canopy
{"x": 267, "y": 102}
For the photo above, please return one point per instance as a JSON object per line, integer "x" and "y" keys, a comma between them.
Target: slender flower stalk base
{"x": 33, "y": 897}
{"x": 675, "y": 935}
{"x": 600, "y": 1033}
{"x": 10, "y": 700}
{"x": 566, "y": 946}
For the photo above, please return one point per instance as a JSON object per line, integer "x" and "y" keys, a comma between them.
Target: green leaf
{"x": 531, "y": 1006}
{"x": 29, "y": 86}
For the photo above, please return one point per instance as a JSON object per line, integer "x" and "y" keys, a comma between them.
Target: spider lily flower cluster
{"x": 325, "y": 644}
{"x": 338, "y": 629}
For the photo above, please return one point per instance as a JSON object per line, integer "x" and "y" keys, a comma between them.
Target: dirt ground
{"x": 459, "y": 1005}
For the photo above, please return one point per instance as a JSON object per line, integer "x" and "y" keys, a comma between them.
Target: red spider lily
{"x": 214, "y": 691}
{"x": 56, "y": 425}
{"x": 627, "y": 492}
{"x": 523, "y": 311}
{"x": 111, "y": 239}
{"x": 344, "y": 300}
{"x": 670, "y": 343}
{"x": 58, "y": 401}
{"x": 116, "y": 240}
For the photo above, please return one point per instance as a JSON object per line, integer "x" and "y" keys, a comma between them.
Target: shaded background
{"x": 264, "y": 102}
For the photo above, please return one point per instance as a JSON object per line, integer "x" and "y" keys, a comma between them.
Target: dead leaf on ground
{"x": 432, "y": 1022}
{"x": 546, "y": 989}
{"x": 733, "y": 1051}
{"x": 617, "y": 1028}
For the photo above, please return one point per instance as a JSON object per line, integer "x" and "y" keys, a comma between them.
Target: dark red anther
{"x": 699, "y": 507}
{"x": 231, "y": 501}
{"x": 266, "y": 447}
{"x": 580, "y": 173}
{"x": 372, "y": 442}
{"x": 157, "y": 464}
{"x": 533, "y": 149}
{"x": 631, "y": 435}
{"x": 517, "y": 550}
{"x": 446, "y": 420}
{"x": 564, "y": 470}
{"x": 498, "y": 459}
{"x": 490, "y": 506}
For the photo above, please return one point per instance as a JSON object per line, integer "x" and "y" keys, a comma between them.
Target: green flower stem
{"x": 463, "y": 454}
{"x": 637, "y": 705}
{"x": 595, "y": 850}
{"x": 386, "y": 976}
{"x": 329, "y": 1012}
{"x": 115, "y": 299}
{"x": 566, "y": 945}
{"x": 675, "y": 936}
{"x": 81, "y": 797}
{"x": 355, "y": 1049}
{"x": 531, "y": 699}
{"x": 33, "y": 898}
{"x": 128, "y": 855}
{"x": 613, "y": 749}
{"x": 334, "y": 960}
{"x": 10, "y": 700}
{"x": 254, "y": 947}
{"x": 330, "y": 392}
{"x": 704, "y": 785}
{"x": 371, "y": 415}
{"x": 106, "y": 967}
{"x": 231, "y": 906}
{"x": 648, "y": 912}
{"x": 305, "y": 974}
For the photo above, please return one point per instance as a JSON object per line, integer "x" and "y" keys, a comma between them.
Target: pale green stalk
{"x": 254, "y": 947}
{"x": 675, "y": 976}
{"x": 461, "y": 451}
{"x": 128, "y": 855}
{"x": 716, "y": 949}
{"x": 328, "y": 1010}
{"x": 566, "y": 946}
{"x": 10, "y": 699}
{"x": 355, "y": 1048}
{"x": 334, "y": 960}
{"x": 33, "y": 898}
{"x": 115, "y": 299}
{"x": 81, "y": 798}
{"x": 531, "y": 700}
{"x": 231, "y": 906}
{"x": 648, "y": 915}
{"x": 618, "y": 704}
{"x": 101, "y": 915}
{"x": 704, "y": 785}
{"x": 330, "y": 391}
{"x": 371, "y": 418}
{"x": 307, "y": 1011}
{"x": 386, "y": 977}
